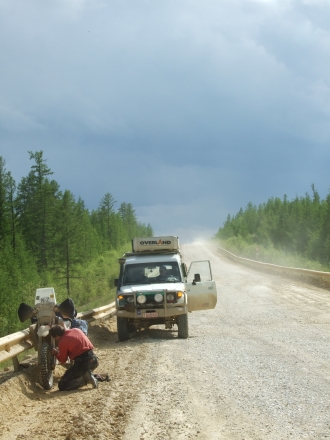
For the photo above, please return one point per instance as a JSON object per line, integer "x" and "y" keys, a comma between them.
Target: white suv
{"x": 154, "y": 287}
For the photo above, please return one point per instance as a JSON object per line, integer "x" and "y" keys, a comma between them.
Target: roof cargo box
{"x": 147, "y": 244}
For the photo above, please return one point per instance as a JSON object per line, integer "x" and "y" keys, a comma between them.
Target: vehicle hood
{"x": 152, "y": 287}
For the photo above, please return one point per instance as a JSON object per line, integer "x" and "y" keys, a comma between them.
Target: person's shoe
{"x": 89, "y": 378}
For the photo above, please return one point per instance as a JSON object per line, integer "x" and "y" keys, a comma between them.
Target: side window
{"x": 203, "y": 268}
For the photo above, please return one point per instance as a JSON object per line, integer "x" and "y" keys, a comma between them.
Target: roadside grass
{"x": 268, "y": 254}
{"x": 98, "y": 302}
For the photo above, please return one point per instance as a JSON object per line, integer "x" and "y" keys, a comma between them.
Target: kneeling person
{"x": 74, "y": 344}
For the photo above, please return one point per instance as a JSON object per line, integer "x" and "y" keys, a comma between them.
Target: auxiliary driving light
{"x": 170, "y": 297}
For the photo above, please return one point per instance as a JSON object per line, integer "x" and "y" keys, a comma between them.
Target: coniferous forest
{"x": 48, "y": 238}
{"x": 295, "y": 232}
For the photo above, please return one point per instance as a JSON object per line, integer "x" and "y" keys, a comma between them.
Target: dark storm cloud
{"x": 187, "y": 109}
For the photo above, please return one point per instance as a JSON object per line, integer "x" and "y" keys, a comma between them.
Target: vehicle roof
{"x": 153, "y": 258}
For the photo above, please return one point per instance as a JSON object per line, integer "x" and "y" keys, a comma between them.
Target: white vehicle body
{"x": 145, "y": 296}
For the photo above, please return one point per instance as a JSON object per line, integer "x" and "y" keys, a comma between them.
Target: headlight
{"x": 141, "y": 299}
{"x": 130, "y": 299}
{"x": 170, "y": 297}
{"x": 158, "y": 297}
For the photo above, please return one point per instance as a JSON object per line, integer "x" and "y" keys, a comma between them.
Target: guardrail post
{"x": 16, "y": 364}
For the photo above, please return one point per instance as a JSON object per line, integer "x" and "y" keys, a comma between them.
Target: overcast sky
{"x": 188, "y": 109}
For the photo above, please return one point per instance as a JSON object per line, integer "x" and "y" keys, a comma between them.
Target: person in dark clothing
{"x": 75, "y": 345}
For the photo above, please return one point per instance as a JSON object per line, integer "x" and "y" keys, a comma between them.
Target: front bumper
{"x": 146, "y": 313}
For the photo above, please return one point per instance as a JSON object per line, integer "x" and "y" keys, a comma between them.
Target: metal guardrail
{"x": 12, "y": 345}
{"x": 314, "y": 276}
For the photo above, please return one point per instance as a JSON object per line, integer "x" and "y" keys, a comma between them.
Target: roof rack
{"x": 155, "y": 252}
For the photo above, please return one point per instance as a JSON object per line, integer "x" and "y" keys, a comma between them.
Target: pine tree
{"x": 7, "y": 187}
{"x": 106, "y": 219}
{"x": 36, "y": 200}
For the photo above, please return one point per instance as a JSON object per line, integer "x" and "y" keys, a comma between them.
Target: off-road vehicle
{"x": 154, "y": 287}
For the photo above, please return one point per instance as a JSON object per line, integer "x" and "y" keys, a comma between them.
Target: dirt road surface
{"x": 256, "y": 367}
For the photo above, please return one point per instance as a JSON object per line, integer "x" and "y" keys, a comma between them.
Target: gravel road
{"x": 256, "y": 367}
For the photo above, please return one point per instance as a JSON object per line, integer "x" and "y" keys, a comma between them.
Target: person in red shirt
{"x": 75, "y": 345}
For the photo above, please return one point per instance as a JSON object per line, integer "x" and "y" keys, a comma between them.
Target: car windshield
{"x": 147, "y": 273}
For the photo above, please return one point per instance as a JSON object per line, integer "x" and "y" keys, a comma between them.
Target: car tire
{"x": 182, "y": 323}
{"x": 122, "y": 329}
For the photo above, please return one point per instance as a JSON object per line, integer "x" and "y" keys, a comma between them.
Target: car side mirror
{"x": 197, "y": 278}
{"x": 116, "y": 282}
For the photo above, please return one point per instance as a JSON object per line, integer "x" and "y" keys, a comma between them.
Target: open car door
{"x": 201, "y": 289}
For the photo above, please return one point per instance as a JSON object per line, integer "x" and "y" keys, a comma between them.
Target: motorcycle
{"x": 43, "y": 315}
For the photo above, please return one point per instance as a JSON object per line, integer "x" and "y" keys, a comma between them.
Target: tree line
{"x": 300, "y": 226}
{"x": 48, "y": 238}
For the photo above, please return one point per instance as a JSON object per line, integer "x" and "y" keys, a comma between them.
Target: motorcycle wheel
{"x": 45, "y": 366}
